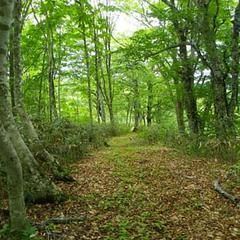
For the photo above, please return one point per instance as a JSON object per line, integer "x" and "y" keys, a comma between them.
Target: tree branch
{"x": 232, "y": 198}
{"x": 162, "y": 50}
{"x": 200, "y": 55}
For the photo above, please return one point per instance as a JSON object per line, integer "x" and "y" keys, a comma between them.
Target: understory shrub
{"x": 150, "y": 135}
{"x": 71, "y": 141}
{"x": 202, "y": 146}
{"x": 116, "y": 130}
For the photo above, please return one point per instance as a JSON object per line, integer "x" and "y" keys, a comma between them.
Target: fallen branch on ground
{"x": 59, "y": 220}
{"x": 235, "y": 200}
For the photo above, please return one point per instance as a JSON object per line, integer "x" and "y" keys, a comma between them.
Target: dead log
{"x": 235, "y": 200}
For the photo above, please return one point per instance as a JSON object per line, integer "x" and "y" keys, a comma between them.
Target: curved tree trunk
{"x": 13, "y": 169}
{"x": 36, "y": 185}
{"x": 8, "y": 155}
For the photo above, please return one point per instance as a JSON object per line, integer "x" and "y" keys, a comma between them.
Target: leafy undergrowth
{"x": 132, "y": 191}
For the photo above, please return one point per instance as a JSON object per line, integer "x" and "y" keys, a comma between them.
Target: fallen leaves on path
{"x": 130, "y": 191}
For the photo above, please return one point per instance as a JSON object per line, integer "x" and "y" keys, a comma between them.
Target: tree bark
{"x": 187, "y": 75}
{"x": 187, "y": 72}
{"x": 136, "y": 105}
{"x": 51, "y": 65}
{"x": 235, "y": 62}
{"x": 51, "y": 69}
{"x": 108, "y": 62}
{"x": 11, "y": 71}
{"x": 8, "y": 154}
{"x": 99, "y": 92}
{"x": 179, "y": 108}
{"x": 36, "y": 185}
{"x": 89, "y": 88}
{"x": 13, "y": 169}
{"x": 149, "y": 102}
{"x": 224, "y": 124}
{"x": 177, "y": 100}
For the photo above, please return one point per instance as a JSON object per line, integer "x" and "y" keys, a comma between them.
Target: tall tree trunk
{"x": 235, "y": 62}
{"x": 36, "y": 186}
{"x": 8, "y": 154}
{"x": 51, "y": 91}
{"x": 187, "y": 74}
{"x": 11, "y": 71}
{"x": 30, "y": 133}
{"x": 51, "y": 65}
{"x": 87, "y": 61}
{"x": 108, "y": 62}
{"x": 179, "y": 107}
{"x": 13, "y": 168}
{"x": 149, "y": 102}
{"x": 59, "y": 76}
{"x": 177, "y": 99}
{"x": 136, "y": 105}
{"x": 224, "y": 124}
{"x": 41, "y": 86}
{"x": 89, "y": 87}
{"x": 99, "y": 92}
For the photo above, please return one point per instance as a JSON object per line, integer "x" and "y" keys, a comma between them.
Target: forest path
{"x": 134, "y": 191}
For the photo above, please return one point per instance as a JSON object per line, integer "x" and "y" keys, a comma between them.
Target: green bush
{"x": 29, "y": 233}
{"x": 150, "y": 135}
{"x": 71, "y": 141}
{"x": 68, "y": 140}
{"x": 117, "y": 130}
{"x": 202, "y": 145}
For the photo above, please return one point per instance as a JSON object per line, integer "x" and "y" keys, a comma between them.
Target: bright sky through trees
{"x": 126, "y": 24}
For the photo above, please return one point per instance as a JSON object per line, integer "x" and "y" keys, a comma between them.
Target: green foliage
{"x": 150, "y": 135}
{"x": 160, "y": 226}
{"x": 119, "y": 200}
{"x": 68, "y": 140}
{"x": 29, "y": 233}
{"x": 116, "y": 130}
{"x": 5, "y": 231}
{"x": 232, "y": 179}
{"x": 202, "y": 145}
{"x": 121, "y": 229}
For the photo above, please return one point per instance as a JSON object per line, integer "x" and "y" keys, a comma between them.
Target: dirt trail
{"x": 133, "y": 191}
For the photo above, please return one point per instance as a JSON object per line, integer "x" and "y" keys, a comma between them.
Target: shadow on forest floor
{"x": 133, "y": 191}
